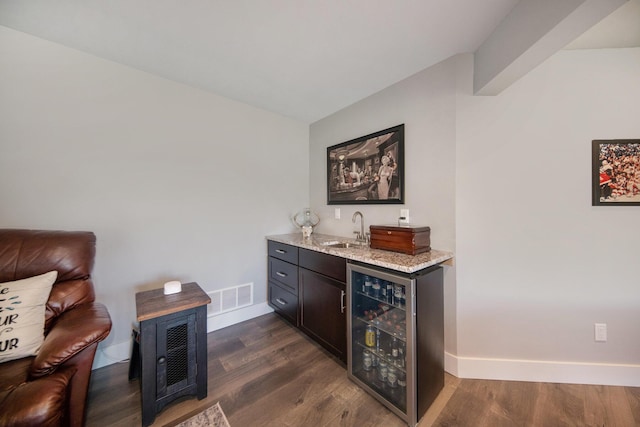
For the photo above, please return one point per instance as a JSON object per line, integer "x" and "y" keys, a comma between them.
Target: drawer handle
{"x": 281, "y": 251}
{"x": 388, "y": 232}
{"x": 281, "y": 301}
{"x": 343, "y": 305}
{"x": 281, "y": 274}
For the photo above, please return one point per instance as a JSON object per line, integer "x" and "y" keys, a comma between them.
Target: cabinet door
{"x": 176, "y": 353}
{"x": 322, "y": 311}
{"x": 381, "y": 328}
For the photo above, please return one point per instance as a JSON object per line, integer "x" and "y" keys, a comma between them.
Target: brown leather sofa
{"x": 50, "y": 389}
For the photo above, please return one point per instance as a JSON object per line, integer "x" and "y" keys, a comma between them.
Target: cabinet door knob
{"x": 281, "y": 301}
{"x": 161, "y": 360}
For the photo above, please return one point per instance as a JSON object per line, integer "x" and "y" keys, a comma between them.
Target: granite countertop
{"x": 387, "y": 259}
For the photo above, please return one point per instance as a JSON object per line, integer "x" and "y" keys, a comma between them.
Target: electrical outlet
{"x": 336, "y": 213}
{"x": 404, "y": 217}
{"x": 600, "y": 330}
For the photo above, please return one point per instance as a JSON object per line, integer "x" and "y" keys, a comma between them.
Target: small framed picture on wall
{"x": 615, "y": 172}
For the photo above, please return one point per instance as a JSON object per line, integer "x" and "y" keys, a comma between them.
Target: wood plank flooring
{"x": 266, "y": 373}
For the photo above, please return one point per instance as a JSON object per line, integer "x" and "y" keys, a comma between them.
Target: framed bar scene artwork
{"x": 615, "y": 176}
{"x": 367, "y": 170}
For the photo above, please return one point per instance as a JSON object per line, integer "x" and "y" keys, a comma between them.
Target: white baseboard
{"x": 451, "y": 364}
{"x": 461, "y": 367}
{"x": 543, "y": 371}
{"x": 116, "y": 353}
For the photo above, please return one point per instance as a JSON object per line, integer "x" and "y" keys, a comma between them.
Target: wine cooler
{"x": 396, "y": 336}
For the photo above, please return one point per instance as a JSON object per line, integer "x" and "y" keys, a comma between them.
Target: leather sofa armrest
{"x": 75, "y": 330}
{"x": 37, "y": 403}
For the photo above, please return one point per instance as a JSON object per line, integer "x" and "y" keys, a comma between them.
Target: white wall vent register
{"x": 229, "y": 299}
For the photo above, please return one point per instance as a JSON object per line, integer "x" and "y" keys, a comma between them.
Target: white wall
{"x": 505, "y": 182}
{"x": 537, "y": 265}
{"x": 177, "y": 183}
{"x": 425, "y": 103}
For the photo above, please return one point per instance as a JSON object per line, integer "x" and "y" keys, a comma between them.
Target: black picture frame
{"x": 615, "y": 172}
{"x": 367, "y": 170}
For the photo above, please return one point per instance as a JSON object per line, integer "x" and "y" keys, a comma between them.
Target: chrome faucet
{"x": 361, "y": 236}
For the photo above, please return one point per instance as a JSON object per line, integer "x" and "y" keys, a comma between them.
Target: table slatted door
{"x": 176, "y": 353}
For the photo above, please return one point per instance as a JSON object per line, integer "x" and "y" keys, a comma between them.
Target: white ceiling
{"x": 300, "y": 58}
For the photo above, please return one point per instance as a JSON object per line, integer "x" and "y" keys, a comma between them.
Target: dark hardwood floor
{"x": 266, "y": 373}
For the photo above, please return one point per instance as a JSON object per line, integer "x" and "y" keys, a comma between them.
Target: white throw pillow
{"x": 22, "y": 310}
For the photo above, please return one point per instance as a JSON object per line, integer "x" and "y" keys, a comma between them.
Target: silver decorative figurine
{"x": 306, "y": 220}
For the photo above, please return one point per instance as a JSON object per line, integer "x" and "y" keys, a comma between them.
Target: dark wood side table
{"x": 173, "y": 347}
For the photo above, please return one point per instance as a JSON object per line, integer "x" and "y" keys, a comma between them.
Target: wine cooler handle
{"x": 342, "y": 302}
{"x": 281, "y": 301}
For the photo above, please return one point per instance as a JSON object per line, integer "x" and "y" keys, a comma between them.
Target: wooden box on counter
{"x": 405, "y": 239}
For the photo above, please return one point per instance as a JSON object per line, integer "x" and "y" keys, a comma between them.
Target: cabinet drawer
{"x": 284, "y": 252}
{"x": 283, "y": 302}
{"x": 284, "y": 273}
{"x": 329, "y": 265}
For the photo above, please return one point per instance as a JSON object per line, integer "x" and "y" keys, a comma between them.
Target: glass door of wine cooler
{"x": 381, "y": 336}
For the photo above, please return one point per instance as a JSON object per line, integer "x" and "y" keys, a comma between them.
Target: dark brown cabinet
{"x": 308, "y": 289}
{"x": 386, "y": 325}
{"x": 283, "y": 280}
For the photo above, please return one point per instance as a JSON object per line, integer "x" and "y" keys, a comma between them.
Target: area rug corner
{"x": 213, "y": 416}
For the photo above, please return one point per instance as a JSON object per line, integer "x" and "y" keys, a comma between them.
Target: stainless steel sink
{"x": 345, "y": 245}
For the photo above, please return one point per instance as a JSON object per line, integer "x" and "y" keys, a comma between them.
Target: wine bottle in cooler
{"x": 377, "y": 312}
{"x": 395, "y": 350}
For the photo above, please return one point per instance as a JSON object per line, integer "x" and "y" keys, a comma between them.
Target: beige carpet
{"x": 210, "y": 417}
